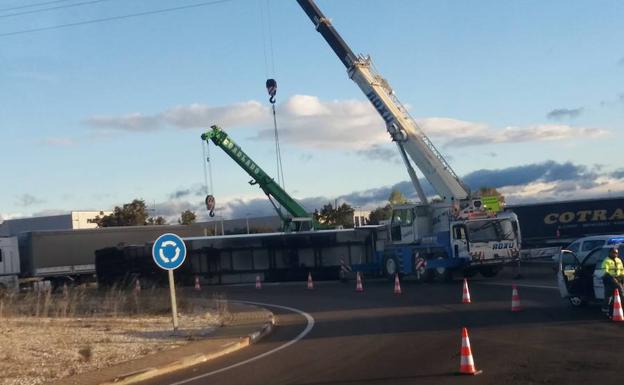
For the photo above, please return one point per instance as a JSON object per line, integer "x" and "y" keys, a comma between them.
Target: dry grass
{"x": 46, "y": 336}
{"x": 88, "y": 302}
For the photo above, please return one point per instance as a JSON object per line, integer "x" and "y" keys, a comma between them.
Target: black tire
{"x": 443, "y": 274}
{"x": 426, "y": 276}
{"x": 391, "y": 267}
{"x": 469, "y": 273}
{"x": 342, "y": 276}
{"x": 577, "y": 301}
{"x": 489, "y": 271}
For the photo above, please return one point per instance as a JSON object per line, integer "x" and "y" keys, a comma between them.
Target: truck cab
{"x": 479, "y": 240}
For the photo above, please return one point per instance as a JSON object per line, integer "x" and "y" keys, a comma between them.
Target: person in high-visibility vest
{"x": 613, "y": 276}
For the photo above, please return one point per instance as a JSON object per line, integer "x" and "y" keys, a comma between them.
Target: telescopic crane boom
{"x": 297, "y": 215}
{"x": 401, "y": 126}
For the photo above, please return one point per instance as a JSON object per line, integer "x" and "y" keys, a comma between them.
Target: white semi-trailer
{"x": 9, "y": 263}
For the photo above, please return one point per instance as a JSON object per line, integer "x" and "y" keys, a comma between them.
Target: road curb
{"x": 194, "y": 359}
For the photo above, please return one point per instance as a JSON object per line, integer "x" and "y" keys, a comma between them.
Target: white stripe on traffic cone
{"x": 465, "y": 292}
{"x": 397, "y": 284}
{"x": 617, "y": 307}
{"x": 358, "y": 285}
{"x": 466, "y": 364}
{"x": 515, "y": 299}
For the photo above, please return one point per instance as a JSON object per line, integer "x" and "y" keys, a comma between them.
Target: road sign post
{"x": 169, "y": 252}
{"x": 174, "y": 307}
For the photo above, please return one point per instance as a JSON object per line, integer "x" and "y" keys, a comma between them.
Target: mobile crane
{"x": 297, "y": 218}
{"x": 458, "y": 234}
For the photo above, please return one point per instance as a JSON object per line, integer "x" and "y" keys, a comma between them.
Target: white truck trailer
{"x": 9, "y": 263}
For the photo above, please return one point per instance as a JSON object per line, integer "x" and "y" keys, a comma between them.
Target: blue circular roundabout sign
{"x": 169, "y": 251}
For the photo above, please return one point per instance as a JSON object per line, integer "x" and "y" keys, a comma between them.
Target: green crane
{"x": 297, "y": 216}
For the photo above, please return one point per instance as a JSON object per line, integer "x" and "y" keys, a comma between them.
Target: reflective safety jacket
{"x": 613, "y": 267}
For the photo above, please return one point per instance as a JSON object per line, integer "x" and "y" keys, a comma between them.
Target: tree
{"x": 130, "y": 214}
{"x": 397, "y": 198}
{"x": 187, "y": 217}
{"x": 380, "y": 214}
{"x": 385, "y": 212}
{"x": 491, "y": 191}
{"x": 158, "y": 221}
{"x": 339, "y": 216}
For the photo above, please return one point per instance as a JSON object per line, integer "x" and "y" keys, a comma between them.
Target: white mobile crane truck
{"x": 428, "y": 239}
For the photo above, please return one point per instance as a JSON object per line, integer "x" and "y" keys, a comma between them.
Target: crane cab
{"x": 410, "y": 223}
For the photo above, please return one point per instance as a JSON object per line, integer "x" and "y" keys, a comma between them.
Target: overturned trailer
{"x": 240, "y": 258}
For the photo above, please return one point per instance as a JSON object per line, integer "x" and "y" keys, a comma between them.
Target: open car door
{"x": 566, "y": 277}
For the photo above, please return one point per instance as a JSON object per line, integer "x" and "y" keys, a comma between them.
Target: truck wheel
{"x": 469, "y": 273}
{"x": 426, "y": 276}
{"x": 489, "y": 271}
{"x": 577, "y": 301}
{"x": 391, "y": 267}
{"x": 444, "y": 274}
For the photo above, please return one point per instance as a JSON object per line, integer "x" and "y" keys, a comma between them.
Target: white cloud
{"x": 198, "y": 115}
{"x": 135, "y": 122}
{"x": 462, "y": 133}
{"x": 561, "y": 190}
{"x": 306, "y": 121}
{"x": 7, "y": 216}
{"x": 537, "y": 191}
{"x": 381, "y": 152}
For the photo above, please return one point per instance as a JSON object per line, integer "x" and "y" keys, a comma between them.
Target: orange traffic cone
{"x": 358, "y": 284}
{"x": 397, "y": 284}
{"x": 617, "y": 307}
{"x": 466, "y": 364}
{"x": 137, "y": 286}
{"x": 466, "y": 292}
{"x": 515, "y": 299}
{"x": 310, "y": 283}
{"x": 197, "y": 286}
{"x": 258, "y": 283}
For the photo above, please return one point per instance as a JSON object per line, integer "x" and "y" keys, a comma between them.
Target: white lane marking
{"x": 519, "y": 285}
{"x": 308, "y": 328}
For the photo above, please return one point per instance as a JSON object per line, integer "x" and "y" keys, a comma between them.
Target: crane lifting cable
{"x": 271, "y": 86}
{"x": 210, "y": 199}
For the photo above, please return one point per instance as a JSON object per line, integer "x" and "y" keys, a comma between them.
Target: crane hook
{"x": 210, "y": 205}
{"x": 271, "y": 86}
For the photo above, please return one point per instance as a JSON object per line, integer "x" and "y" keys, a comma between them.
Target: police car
{"x": 580, "y": 278}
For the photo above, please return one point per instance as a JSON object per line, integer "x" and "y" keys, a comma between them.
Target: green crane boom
{"x": 298, "y": 215}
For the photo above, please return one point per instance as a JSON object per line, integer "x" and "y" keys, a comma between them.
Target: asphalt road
{"x": 376, "y": 337}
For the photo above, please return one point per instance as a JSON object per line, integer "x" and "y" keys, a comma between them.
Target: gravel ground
{"x": 35, "y": 351}
{"x": 37, "y": 347}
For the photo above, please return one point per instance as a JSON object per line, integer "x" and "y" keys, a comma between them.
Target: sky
{"x": 527, "y": 97}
